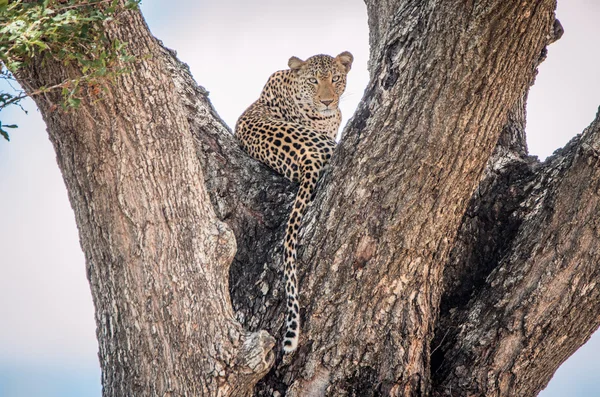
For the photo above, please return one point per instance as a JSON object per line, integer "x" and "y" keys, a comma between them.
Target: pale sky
{"x": 47, "y": 337}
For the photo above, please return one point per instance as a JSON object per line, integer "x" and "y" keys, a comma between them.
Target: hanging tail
{"x": 292, "y": 316}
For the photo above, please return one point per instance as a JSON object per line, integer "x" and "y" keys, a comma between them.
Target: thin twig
{"x": 82, "y": 5}
{"x": 441, "y": 342}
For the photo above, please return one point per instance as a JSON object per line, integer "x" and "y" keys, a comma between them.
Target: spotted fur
{"x": 292, "y": 128}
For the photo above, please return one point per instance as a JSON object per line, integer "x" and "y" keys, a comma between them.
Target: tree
{"x": 438, "y": 258}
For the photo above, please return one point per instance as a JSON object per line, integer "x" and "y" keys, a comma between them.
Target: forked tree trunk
{"x": 393, "y": 303}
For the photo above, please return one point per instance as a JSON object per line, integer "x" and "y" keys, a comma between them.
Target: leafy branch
{"x": 69, "y": 31}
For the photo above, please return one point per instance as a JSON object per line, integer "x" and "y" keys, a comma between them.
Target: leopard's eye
{"x": 313, "y": 80}
{"x": 335, "y": 79}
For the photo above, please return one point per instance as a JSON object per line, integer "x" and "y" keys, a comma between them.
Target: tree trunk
{"x": 157, "y": 255}
{"x": 393, "y": 302}
{"x": 520, "y": 294}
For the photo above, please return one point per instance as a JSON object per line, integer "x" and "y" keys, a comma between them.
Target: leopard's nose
{"x": 327, "y": 102}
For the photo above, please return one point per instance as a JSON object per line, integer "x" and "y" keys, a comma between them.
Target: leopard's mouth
{"x": 326, "y": 110}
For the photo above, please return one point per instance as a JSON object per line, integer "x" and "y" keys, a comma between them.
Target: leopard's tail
{"x": 303, "y": 198}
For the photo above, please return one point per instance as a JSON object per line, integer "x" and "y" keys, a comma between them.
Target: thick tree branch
{"x": 492, "y": 218}
{"x": 410, "y": 160}
{"x": 490, "y": 224}
{"x": 500, "y": 216}
{"x": 540, "y": 304}
{"x": 251, "y": 198}
{"x": 157, "y": 256}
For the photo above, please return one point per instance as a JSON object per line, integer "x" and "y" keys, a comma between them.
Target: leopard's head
{"x": 321, "y": 80}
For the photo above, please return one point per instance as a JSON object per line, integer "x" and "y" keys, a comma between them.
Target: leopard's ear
{"x": 345, "y": 58}
{"x": 295, "y": 63}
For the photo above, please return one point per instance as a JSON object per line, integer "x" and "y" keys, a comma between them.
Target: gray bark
{"x": 162, "y": 194}
{"x": 157, "y": 255}
{"x": 411, "y": 159}
{"x": 520, "y": 293}
{"x": 531, "y": 300}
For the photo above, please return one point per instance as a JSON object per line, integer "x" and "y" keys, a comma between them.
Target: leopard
{"x": 292, "y": 128}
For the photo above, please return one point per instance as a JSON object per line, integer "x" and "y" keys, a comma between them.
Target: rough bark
{"x": 520, "y": 293}
{"x": 537, "y": 300}
{"x": 157, "y": 256}
{"x": 379, "y": 243}
{"x": 412, "y": 156}
{"x": 252, "y": 199}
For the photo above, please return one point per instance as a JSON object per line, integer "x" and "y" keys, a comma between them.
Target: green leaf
{"x": 132, "y": 4}
{"x": 4, "y": 134}
{"x": 67, "y": 31}
{"x": 74, "y": 102}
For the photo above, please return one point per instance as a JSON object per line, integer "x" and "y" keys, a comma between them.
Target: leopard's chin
{"x": 327, "y": 112}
